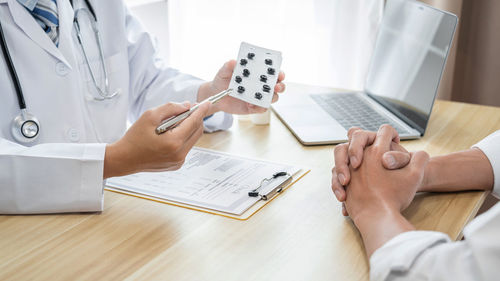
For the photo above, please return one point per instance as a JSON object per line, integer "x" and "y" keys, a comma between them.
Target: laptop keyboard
{"x": 352, "y": 111}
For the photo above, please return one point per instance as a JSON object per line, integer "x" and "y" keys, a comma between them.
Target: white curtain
{"x": 324, "y": 42}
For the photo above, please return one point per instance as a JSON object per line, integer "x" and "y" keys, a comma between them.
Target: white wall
{"x": 324, "y": 42}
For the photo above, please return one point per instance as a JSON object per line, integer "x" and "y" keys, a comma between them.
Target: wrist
{"x": 374, "y": 213}
{"x": 376, "y": 228}
{"x": 109, "y": 162}
{"x": 429, "y": 179}
{"x": 116, "y": 163}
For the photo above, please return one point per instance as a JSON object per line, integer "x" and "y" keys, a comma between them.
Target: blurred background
{"x": 324, "y": 42}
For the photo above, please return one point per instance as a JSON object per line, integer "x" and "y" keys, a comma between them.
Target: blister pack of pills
{"x": 255, "y": 74}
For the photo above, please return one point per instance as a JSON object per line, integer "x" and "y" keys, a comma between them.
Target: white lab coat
{"x": 62, "y": 170}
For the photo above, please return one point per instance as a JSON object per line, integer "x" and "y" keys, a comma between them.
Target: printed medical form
{"x": 208, "y": 179}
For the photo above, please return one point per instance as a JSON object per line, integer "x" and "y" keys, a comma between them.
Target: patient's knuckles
{"x": 359, "y": 134}
{"x": 386, "y": 128}
{"x": 340, "y": 148}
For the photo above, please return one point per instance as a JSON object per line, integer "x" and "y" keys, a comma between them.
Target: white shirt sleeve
{"x": 152, "y": 83}
{"x": 51, "y": 178}
{"x": 491, "y": 148}
{"x": 427, "y": 255}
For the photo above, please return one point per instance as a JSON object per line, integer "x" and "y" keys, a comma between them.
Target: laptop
{"x": 410, "y": 53}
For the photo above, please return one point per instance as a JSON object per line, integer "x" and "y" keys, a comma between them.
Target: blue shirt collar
{"x": 29, "y": 4}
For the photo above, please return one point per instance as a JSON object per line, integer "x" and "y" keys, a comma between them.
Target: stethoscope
{"x": 26, "y": 127}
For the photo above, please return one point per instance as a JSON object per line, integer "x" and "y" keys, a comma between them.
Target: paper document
{"x": 208, "y": 179}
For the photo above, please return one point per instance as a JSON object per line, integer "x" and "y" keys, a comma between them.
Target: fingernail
{"x": 354, "y": 160}
{"x": 342, "y": 179}
{"x": 337, "y": 194}
{"x": 390, "y": 160}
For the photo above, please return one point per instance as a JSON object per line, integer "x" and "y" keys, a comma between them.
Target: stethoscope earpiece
{"x": 25, "y": 127}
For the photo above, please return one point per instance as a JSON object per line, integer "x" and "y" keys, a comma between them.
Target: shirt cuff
{"x": 399, "y": 253}
{"x": 91, "y": 197}
{"x": 218, "y": 121}
{"x": 491, "y": 148}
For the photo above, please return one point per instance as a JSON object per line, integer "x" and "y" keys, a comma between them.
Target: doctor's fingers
{"x": 179, "y": 157}
{"x": 189, "y": 126}
{"x": 281, "y": 76}
{"x": 191, "y": 141}
{"x": 279, "y": 88}
{"x": 166, "y": 111}
{"x": 251, "y": 108}
{"x": 178, "y": 147}
{"x": 226, "y": 71}
{"x": 275, "y": 98}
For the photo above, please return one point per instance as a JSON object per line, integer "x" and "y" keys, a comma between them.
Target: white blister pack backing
{"x": 255, "y": 74}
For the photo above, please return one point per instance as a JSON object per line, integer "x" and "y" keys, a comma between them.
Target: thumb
{"x": 168, "y": 110}
{"x": 203, "y": 109}
{"x": 393, "y": 160}
{"x": 419, "y": 160}
{"x": 227, "y": 69}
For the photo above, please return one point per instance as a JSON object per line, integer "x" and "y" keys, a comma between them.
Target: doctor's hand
{"x": 141, "y": 149}
{"x": 229, "y": 104}
{"x": 351, "y": 153}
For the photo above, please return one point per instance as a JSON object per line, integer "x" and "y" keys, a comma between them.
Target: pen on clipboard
{"x": 272, "y": 192}
{"x": 173, "y": 121}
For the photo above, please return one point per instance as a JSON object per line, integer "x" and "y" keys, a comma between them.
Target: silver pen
{"x": 173, "y": 121}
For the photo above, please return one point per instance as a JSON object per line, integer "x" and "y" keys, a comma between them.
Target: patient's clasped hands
{"x": 376, "y": 178}
{"x": 377, "y": 171}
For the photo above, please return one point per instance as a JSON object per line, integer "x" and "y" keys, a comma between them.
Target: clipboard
{"x": 208, "y": 174}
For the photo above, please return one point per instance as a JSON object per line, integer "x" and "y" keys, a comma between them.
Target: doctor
{"x": 71, "y": 74}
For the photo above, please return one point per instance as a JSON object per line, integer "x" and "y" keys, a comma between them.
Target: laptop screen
{"x": 409, "y": 57}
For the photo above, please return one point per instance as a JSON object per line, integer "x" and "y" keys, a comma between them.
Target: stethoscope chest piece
{"x": 25, "y": 127}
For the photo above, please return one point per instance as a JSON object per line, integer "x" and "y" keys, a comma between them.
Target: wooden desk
{"x": 299, "y": 236}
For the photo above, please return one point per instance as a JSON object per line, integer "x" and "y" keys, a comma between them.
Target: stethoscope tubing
{"x": 12, "y": 70}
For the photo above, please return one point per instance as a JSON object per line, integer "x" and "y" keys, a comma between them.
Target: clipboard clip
{"x": 271, "y": 193}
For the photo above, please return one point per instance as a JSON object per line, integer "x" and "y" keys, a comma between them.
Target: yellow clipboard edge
{"x": 222, "y": 214}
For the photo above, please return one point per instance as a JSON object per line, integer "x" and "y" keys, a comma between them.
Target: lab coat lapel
{"x": 66, "y": 15}
{"x": 27, "y": 23}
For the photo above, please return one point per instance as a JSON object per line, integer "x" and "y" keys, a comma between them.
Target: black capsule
{"x": 271, "y": 71}
{"x": 263, "y": 78}
{"x": 268, "y": 61}
{"x": 243, "y": 62}
{"x": 258, "y": 95}
{"x": 251, "y": 56}
{"x": 241, "y": 89}
{"x": 246, "y": 72}
{"x": 266, "y": 88}
{"x": 238, "y": 79}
